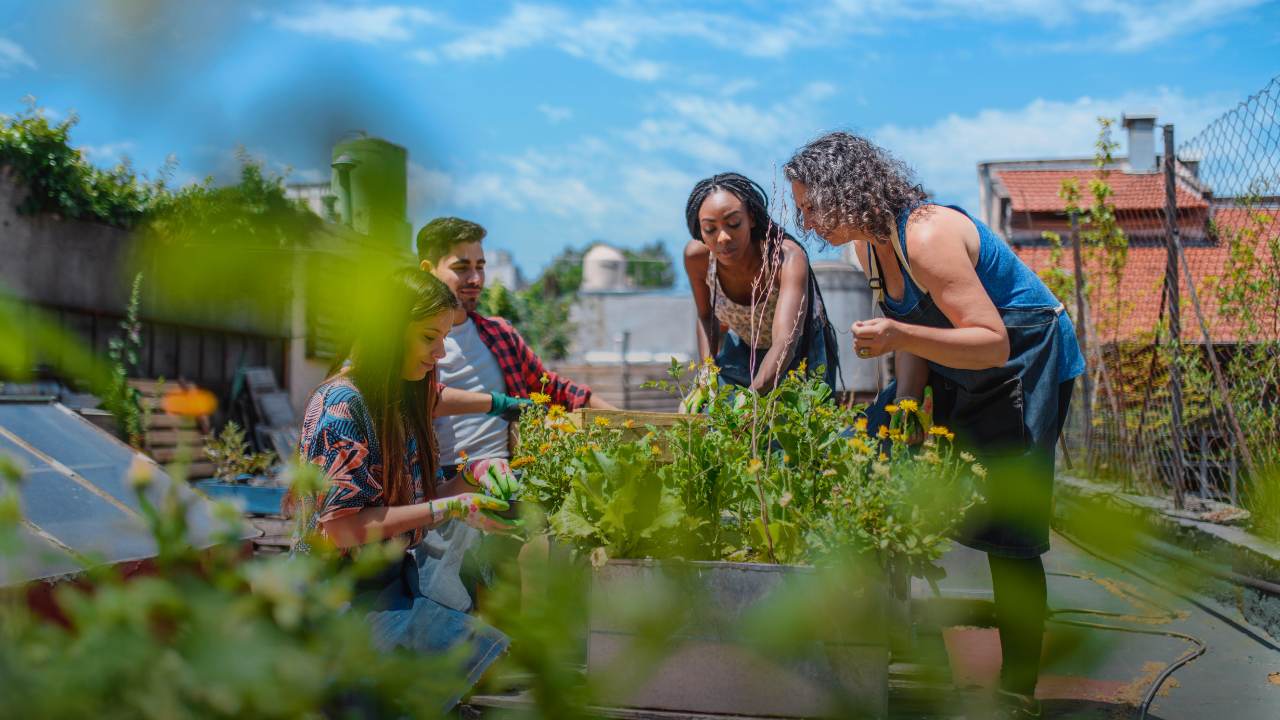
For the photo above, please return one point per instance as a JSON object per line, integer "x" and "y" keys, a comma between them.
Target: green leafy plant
{"x": 58, "y": 179}
{"x": 232, "y": 456}
{"x": 121, "y": 400}
{"x": 617, "y": 505}
{"x": 787, "y": 477}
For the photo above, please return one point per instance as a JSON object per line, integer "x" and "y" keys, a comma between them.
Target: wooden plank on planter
{"x": 640, "y": 422}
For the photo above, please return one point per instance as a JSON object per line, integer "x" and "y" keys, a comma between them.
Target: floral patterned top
{"x": 753, "y": 325}
{"x": 337, "y": 435}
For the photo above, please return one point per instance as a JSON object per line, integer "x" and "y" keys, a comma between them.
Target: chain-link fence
{"x": 1181, "y": 274}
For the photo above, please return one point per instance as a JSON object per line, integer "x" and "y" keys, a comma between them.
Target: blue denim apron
{"x": 1007, "y": 416}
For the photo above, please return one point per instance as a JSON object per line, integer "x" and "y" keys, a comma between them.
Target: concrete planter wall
{"x": 710, "y": 671}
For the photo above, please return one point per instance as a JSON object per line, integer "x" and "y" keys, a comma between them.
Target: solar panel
{"x": 75, "y": 494}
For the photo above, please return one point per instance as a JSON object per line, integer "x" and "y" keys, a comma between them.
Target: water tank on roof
{"x": 604, "y": 269}
{"x": 370, "y": 181}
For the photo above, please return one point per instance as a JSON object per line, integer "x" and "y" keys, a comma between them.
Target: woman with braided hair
{"x": 760, "y": 313}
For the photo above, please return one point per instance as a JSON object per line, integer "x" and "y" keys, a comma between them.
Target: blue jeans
{"x": 403, "y": 617}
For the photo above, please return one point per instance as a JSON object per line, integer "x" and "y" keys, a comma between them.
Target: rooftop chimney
{"x": 1142, "y": 141}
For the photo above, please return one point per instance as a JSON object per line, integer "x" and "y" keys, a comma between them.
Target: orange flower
{"x": 521, "y": 462}
{"x": 189, "y": 402}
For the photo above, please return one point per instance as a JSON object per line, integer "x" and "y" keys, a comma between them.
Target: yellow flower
{"x": 555, "y": 412}
{"x": 938, "y": 430}
{"x": 545, "y": 379}
{"x": 539, "y": 398}
{"x": 521, "y": 462}
{"x": 979, "y": 470}
{"x": 891, "y": 409}
{"x": 544, "y": 447}
{"x": 628, "y": 424}
{"x": 951, "y": 436}
{"x": 754, "y": 466}
{"x": 654, "y": 449}
{"x": 884, "y": 458}
{"x": 897, "y": 436}
{"x": 857, "y": 444}
{"x": 786, "y": 458}
{"x": 967, "y": 457}
{"x": 909, "y": 405}
{"x": 601, "y": 421}
{"x": 860, "y": 425}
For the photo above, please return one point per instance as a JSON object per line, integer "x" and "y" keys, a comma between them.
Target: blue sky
{"x": 558, "y": 124}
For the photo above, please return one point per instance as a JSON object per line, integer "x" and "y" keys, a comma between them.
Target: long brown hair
{"x": 377, "y": 358}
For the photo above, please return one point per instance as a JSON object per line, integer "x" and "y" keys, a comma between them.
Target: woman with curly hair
{"x": 963, "y": 314}
{"x": 749, "y": 276}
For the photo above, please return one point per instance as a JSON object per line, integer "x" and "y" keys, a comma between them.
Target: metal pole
{"x": 1175, "y": 319}
{"x": 1082, "y": 337}
{"x": 626, "y": 370}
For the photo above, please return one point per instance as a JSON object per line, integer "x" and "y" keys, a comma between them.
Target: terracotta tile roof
{"x": 1131, "y": 313}
{"x": 1037, "y": 190}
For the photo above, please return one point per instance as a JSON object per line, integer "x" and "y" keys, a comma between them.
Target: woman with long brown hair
{"x": 368, "y": 428}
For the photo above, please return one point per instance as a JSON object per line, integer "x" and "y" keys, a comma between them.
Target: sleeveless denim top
{"x": 1008, "y": 282}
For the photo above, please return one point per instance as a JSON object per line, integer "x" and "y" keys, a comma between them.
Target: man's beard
{"x": 470, "y": 305}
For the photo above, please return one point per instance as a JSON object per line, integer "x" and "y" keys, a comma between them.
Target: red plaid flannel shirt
{"x": 521, "y": 368}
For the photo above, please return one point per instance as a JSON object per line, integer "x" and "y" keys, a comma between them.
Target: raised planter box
{"x": 253, "y": 499}
{"x": 710, "y": 670}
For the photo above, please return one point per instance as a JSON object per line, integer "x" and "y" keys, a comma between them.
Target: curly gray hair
{"x": 851, "y": 180}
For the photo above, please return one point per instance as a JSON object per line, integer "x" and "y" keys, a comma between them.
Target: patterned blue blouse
{"x": 337, "y": 435}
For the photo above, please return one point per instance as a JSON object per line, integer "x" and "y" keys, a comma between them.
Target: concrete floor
{"x": 1097, "y": 673}
{"x": 1086, "y": 673}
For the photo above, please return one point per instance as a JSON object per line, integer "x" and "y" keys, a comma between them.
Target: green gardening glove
{"x": 506, "y": 407}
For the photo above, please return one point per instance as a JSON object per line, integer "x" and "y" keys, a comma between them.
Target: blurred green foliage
{"x": 209, "y": 634}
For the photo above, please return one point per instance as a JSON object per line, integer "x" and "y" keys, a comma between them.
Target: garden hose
{"x": 1199, "y": 646}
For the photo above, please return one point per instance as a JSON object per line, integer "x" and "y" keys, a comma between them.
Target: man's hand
{"x": 508, "y": 408}
{"x": 875, "y": 337}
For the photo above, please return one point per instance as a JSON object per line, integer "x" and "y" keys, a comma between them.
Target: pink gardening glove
{"x": 494, "y": 476}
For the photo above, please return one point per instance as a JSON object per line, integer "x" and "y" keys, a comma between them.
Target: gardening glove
{"x": 494, "y": 476}
{"x": 701, "y": 395}
{"x": 507, "y": 407}
{"x": 475, "y": 510}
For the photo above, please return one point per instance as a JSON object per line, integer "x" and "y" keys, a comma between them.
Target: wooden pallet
{"x": 169, "y": 437}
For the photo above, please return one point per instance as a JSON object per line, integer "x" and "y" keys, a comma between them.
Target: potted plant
{"x": 238, "y": 471}
{"x": 769, "y": 511}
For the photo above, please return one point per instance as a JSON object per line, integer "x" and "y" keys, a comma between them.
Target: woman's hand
{"x": 494, "y": 476}
{"x": 875, "y": 337}
{"x": 475, "y": 510}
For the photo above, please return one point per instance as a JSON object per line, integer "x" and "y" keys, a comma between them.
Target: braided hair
{"x": 741, "y": 187}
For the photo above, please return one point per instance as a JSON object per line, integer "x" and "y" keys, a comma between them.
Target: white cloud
{"x": 617, "y": 36}
{"x": 946, "y": 153}
{"x": 364, "y": 23}
{"x": 427, "y": 187}
{"x": 554, "y": 113}
{"x": 526, "y": 25}
{"x": 424, "y": 56}
{"x": 14, "y": 57}
{"x": 108, "y": 153}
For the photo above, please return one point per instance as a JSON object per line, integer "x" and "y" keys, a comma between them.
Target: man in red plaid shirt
{"x": 485, "y": 356}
